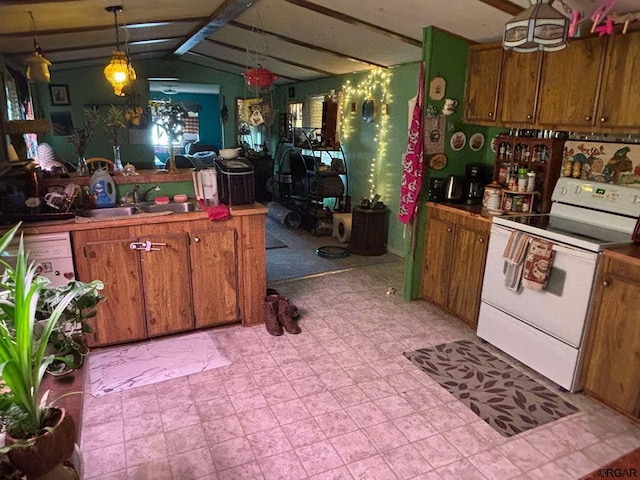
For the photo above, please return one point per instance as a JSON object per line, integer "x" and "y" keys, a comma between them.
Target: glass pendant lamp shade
{"x": 119, "y": 72}
{"x": 539, "y": 27}
{"x": 38, "y": 68}
{"x": 37, "y": 64}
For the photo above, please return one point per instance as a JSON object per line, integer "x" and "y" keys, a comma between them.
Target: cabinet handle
{"x": 606, "y": 283}
{"x": 588, "y": 118}
{"x": 529, "y": 117}
{"x": 490, "y": 114}
{"x": 449, "y": 229}
{"x": 196, "y": 239}
{"x": 481, "y": 240}
{"x": 603, "y": 119}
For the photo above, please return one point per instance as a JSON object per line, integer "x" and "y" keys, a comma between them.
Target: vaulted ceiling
{"x": 297, "y": 39}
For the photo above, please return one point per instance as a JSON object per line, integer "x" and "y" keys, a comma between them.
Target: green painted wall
{"x": 445, "y": 56}
{"x": 87, "y": 86}
{"x": 363, "y": 144}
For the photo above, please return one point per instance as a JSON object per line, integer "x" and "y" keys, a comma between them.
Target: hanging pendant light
{"x": 539, "y": 27}
{"x": 37, "y": 64}
{"x": 119, "y": 72}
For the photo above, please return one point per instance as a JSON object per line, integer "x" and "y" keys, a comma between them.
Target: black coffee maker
{"x": 474, "y": 183}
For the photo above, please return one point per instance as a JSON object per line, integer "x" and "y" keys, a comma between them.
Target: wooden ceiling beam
{"x": 279, "y": 59}
{"x": 243, "y": 67}
{"x": 354, "y": 21}
{"x": 310, "y": 46}
{"x": 227, "y": 11}
{"x": 100, "y": 28}
{"x": 505, "y": 5}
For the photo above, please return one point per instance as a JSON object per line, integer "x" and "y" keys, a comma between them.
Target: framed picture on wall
{"x": 61, "y": 123}
{"x": 59, "y": 94}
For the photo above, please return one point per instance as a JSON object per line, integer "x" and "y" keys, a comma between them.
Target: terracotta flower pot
{"x": 48, "y": 450}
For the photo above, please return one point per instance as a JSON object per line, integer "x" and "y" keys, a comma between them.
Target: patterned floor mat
{"x": 504, "y": 397}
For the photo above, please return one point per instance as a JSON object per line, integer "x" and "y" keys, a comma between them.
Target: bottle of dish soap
{"x": 103, "y": 189}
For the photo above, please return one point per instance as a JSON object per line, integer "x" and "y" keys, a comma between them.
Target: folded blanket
{"x": 514, "y": 257}
{"x": 537, "y": 265}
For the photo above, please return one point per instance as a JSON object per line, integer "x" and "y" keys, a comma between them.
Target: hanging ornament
{"x": 260, "y": 77}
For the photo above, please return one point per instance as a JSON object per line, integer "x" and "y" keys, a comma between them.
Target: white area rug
{"x": 120, "y": 368}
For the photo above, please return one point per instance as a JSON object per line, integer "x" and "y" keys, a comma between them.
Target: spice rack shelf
{"x": 508, "y": 204}
{"x": 540, "y": 155}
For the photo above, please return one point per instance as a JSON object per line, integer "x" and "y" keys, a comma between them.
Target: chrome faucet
{"x": 142, "y": 197}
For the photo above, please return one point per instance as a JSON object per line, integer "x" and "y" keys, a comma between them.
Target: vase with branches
{"x": 112, "y": 123}
{"x": 81, "y": 137}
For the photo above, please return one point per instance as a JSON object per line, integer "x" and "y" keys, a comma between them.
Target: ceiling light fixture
{"x": 37, "y": 64}
{"x": 119, "y": 71}
{"x": 539, "y": 27}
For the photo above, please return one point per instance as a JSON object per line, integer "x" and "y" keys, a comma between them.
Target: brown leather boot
{"x": 284, "y": 316}
{"x": 271, "y": 303}
{"x": 293, "y": 310}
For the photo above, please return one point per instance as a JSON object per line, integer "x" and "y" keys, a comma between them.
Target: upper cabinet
{"x": 519, "y": 87}
{"x": 620, "y": 99}
{"x": 591, "y": 86}
{"x": 569, "y": 84}
{"x": 483, "y": 80}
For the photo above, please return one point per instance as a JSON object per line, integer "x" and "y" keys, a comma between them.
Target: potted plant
{"x": 39, "y": 436}
{"x": 68, "y": 340}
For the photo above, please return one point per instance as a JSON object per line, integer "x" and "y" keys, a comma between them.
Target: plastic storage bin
{"x": 235, "y": 181}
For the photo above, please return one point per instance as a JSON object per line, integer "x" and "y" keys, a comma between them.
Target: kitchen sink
{"x": 183, "y": 207}
{"x": 128, "y": 210}
{"x": 124, "y": 211}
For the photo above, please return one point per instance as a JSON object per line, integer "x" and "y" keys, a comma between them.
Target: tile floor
{"x": 338, "y": 401}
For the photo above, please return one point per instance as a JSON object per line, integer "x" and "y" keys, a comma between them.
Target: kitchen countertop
{"x": 70, "y": 225}
{"x": 629, "y": 253}
{"x": 477, "y": 211}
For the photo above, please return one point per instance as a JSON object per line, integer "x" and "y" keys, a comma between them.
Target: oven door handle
{"x": 575, "y": 252}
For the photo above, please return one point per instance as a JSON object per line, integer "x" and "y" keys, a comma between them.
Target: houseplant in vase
{"x": 81, "y": 137}
{"x": 112, "y": 123}
{"x": 39, "y": 436}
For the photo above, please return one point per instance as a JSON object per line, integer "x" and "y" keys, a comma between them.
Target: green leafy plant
{"x": 23, "y": 358}
{"x": 68, "y": 339}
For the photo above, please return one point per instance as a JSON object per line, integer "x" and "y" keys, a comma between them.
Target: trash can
{"x": 369, "y": 231}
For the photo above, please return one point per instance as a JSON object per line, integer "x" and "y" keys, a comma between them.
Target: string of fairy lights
{"x": 375, "y": 86}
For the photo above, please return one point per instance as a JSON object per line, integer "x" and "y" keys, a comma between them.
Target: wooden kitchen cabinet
{"x": 147, "y": 293}
{"x": 207, "y": 273}
{"x": 519, "y": 87}
{"x": 120, "y": 317}
{"x": 214, "y": 273}
{"x": 612, "y": 363}
{"x": 483, "y": 78}
{"x": 455, "y": 251}
{"x": 620, "y": 97}
{"x": 569, "y": 84}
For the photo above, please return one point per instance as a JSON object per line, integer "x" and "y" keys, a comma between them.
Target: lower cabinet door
{"x": 167, "y": 286}
{"x": 214, "y": 274}
{"x": 120, "y": 318}
{"x": 467, "y": 271}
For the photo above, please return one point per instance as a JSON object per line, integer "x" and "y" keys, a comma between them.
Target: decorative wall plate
{"x": 438, "y": 161}
{"x": 458, "y": 141}
{"x": 437, "y": 88}
{"x": 494, "y": 144}
{"x": 476, "y": 142}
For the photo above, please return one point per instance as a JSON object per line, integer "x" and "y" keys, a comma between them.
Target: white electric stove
{"x": 546, "y": 329}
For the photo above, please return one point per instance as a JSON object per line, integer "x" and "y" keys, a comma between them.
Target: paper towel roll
{"x": 342, "y": 227}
